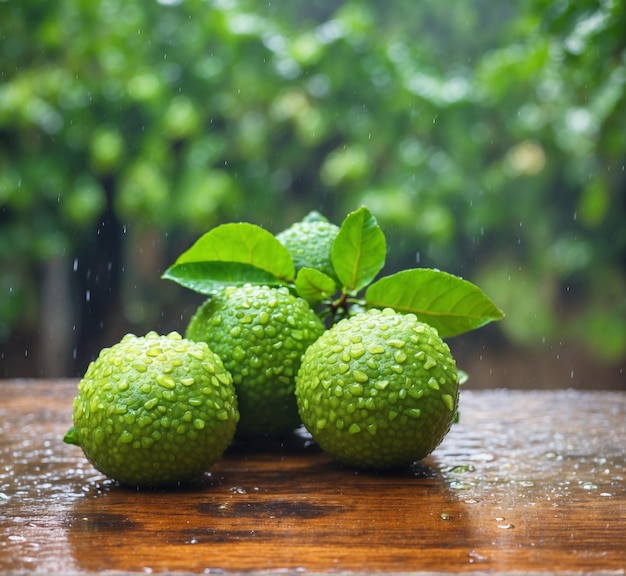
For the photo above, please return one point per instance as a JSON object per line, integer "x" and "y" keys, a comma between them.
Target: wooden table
{"x": 529, "y": 482}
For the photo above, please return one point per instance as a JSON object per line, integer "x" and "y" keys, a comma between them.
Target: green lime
{"x": 154, "y": 410}
{"x": 310, "y": 243}
{"x": 260, "y": 333}
{"x": 378, "y": 390}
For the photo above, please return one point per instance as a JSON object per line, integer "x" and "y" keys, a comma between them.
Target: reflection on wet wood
{"x": 527, "y": 481}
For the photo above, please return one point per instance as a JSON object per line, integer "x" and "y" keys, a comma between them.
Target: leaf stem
{"x": 340, "y": 308}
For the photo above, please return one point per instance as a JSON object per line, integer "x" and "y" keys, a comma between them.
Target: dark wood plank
{"x": 527, "y": 482}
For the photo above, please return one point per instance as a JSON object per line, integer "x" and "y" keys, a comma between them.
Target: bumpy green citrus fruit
{"x": 310, "y": 242}
{"x": 154, "y": 410}
{"x": 260, "y": 333}
{"x": 378, "y": 390}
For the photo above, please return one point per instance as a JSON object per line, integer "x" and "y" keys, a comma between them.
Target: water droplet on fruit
{"x": 126, "y": 437}
{"x": 151, "y": 403}
{"x": 355, "y": 389}
{"x": 399, "y": 356}
{"x": 166, "y": 381}
{"x": 354, "y": 429}
{"x": 432, "y": 382}
{"x": 196, "y": 353}
{"x": 360, "y": 376}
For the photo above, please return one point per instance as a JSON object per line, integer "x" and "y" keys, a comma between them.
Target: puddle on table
{"x": 496, "y": 460}
{"x": 40, "y": 474}
{"x": 37, "y": 482}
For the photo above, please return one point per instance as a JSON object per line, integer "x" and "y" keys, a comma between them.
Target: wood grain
{"x": 528, "y": 482}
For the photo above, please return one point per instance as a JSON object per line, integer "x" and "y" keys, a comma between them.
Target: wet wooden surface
{"x": 527, "y": 482}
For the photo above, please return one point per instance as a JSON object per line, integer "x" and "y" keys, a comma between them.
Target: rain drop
{"x": 477, "y": 557}
{"x": 75, "y": 266}
{"x": 17, "y": 538}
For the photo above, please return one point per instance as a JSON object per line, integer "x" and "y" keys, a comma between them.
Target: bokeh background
{"x": 487, "y": 137}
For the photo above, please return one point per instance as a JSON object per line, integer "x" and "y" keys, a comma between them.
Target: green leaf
{"x": 449, "y": 303}
{"x": 314, "y": 286}
{"x": 359, "y": 250}
{"x": 206, "y": 277}
{"x": 244, "y": 243}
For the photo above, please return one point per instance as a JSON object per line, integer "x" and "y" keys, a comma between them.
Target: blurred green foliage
{"x": 487, "y": 137}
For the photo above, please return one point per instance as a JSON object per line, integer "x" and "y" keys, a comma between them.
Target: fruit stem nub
{"x": 70, "y": 437}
